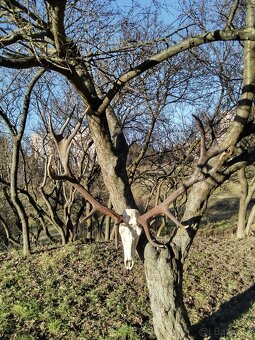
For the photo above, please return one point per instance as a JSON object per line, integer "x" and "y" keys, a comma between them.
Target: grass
{"x": 76, "y": 292}
{"x": 83, "y": 292}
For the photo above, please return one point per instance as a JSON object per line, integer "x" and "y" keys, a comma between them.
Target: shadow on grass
{"x": 216, "y": 325}
{"x": 223, "y": 209}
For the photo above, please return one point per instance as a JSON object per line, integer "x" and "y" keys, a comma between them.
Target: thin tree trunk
{"x": 240, "y": 233}
{"x": 107, "y": 223}
{"x": 250, "y": 221}
{"x": 247, "y": 192}
{"x": 15, "y": 198}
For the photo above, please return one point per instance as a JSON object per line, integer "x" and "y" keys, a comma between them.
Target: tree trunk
{"x": 164, "y": 270}
{"x": 164, "y": 275}
{"x": 240, "y": 233}
{"x": 107, "y": 223}
{"x": 112, "y": 154}
{"x": 250, "y": 221}
{"x": 15, "y": 198}
{"x": 245, "y": 220}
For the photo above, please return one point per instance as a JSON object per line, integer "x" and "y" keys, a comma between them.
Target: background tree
{"x": 17, "y": 132}
{"x": 86, "y": 43}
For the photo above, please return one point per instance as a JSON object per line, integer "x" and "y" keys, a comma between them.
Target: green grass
{"x": 83, "y": 292}
{"x": 76, "y": 292}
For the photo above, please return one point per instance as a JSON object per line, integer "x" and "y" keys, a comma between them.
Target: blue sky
{"x": 171, "y": 6}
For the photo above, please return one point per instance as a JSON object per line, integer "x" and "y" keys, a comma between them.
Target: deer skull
{"x": 130, "y": 233}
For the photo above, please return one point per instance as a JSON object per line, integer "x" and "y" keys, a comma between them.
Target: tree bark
{"x": 164, "y": 275}
{"x": 245, "y": 219}
{"x": 164, "y": 270}
{"x": 243, "y": 204}
{"x": 112, "y": 161}
{"x": 15, "y": 198}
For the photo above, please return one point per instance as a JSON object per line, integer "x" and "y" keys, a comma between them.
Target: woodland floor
{"x": 83, "y": 292}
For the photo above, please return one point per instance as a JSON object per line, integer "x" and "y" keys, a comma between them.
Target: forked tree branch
{"x": 247, "y": 33}
{"x": 143, "y": 220}
{"x": 198, "y": 175}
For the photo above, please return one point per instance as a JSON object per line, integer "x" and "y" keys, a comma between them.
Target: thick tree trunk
{"x": 164, "y": 270}
{"x": 112, "y": 153}
{"x": 164, "y": 274}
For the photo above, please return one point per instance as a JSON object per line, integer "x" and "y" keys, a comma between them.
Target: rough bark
{"x": 164, "y": 286}
{"x": 112, "y": 162}
{"x": 245, "y": 218}
{"x": 164, "y": 275}
{"x": 164, "y": 271}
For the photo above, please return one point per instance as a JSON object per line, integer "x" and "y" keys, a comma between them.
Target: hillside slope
{"x": 84, "y": 292}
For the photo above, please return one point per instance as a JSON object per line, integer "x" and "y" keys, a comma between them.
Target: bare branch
{"x": 202, "y": 140}
{"x": 15, "y": 37}
{"x": 219, "y": 35}
{"x": 7, "y": 123}
{"x": 27, "y": 102}
{"x": 20, "y": 62}
{"x": 232, "y": 14}
{"x": 11, "y": 4}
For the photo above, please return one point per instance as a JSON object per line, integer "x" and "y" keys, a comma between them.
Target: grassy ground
{"x": 83, "y": 292}
{"x": 219, "y": 287}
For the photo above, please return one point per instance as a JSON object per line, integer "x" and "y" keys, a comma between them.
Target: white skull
{"x": 130, "y": 233}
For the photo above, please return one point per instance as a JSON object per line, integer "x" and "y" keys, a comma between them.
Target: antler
{"x": 63, "y": 145}
{"x": 163, "y": 208}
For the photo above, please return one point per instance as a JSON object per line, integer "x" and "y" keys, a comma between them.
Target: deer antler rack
{"x": 161, "y": 209}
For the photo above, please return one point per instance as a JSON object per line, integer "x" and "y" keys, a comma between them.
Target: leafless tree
{"x": 83, "y": 43}
{"x": 17, "y": 132}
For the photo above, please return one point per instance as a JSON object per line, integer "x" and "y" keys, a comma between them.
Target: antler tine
{"x": 159, "y": 210}
{"x": 162, "y": 209}
{"x": 96, "y": 206}
{"x": 174, "y": 219}
{"x": 154, "y": 242}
